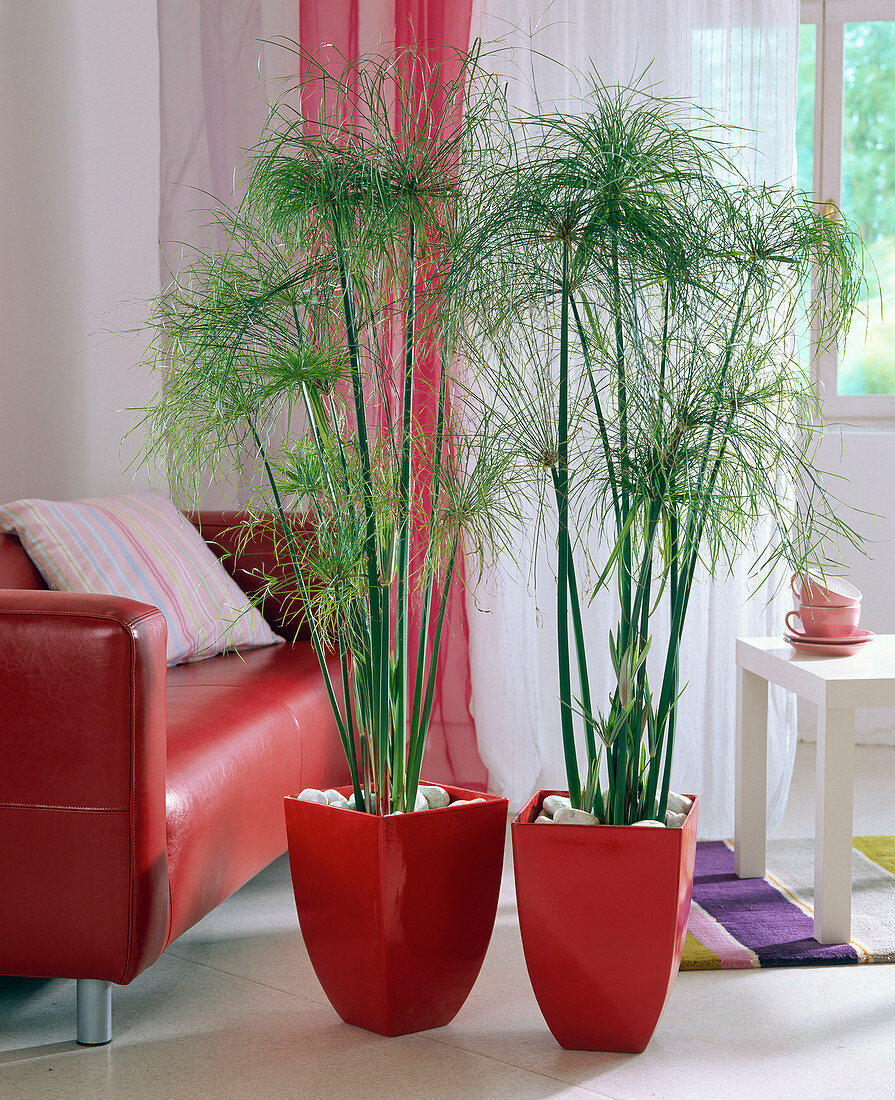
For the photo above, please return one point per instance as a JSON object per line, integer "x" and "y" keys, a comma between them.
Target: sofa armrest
{"x": 83, "y": 861}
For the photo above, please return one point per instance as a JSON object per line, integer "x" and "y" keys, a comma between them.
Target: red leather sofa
{"x": 135, "y": 798}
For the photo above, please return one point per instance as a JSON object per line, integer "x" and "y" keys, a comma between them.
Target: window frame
{"x": 830, "y": 17}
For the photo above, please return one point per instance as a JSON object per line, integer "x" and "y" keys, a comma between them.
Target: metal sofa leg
{"x": 94, "y": 1012}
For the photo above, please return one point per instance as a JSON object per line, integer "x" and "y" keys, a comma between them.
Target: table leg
{"x": 751, "y": 796}
{"x": 833, "y": 810}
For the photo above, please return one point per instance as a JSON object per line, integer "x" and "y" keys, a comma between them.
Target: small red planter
{"x": 397, "y": 912}
{"x": 603, "y": 913}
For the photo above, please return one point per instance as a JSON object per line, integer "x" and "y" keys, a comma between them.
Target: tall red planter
{"x": 603, "y": 912}
{"x": 397, "y": 912}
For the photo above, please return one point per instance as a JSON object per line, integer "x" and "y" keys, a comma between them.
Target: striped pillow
{"x": 140, "y": 546}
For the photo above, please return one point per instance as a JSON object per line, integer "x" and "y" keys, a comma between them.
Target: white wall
{"x": 79, "y": 150}
{"x": 865, "y": 460}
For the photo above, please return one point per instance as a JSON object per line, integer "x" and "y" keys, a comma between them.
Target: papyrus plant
{"x": 312, "y": 356}
{"x": 643, "y": 351}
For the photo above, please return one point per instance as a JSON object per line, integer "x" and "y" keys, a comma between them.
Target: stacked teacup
{"x": 826, "y": 616}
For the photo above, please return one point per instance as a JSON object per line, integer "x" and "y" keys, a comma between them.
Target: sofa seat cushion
{"x": 244, "y": 729}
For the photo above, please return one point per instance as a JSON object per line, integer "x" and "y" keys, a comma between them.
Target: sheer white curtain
{"x": 739, "y": 60}
{"x": 214, "y": 75}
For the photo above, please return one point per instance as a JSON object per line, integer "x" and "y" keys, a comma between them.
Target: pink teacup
{"x": 831, "y": 592}
{"x": 825, "y": 622}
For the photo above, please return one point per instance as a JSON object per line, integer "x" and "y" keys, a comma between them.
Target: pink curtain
{"x": 212, "y": 68}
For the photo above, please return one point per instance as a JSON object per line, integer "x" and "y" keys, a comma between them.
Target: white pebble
{"x": 340, "y": 803}
{"x": 544, "y": 819}
{"x": 673, "y": 820}
{"x": 436, "y": 797}
{"x": 311, "y": 794}
{"x": 369, "y": 803}
{"x": 567, "y": 815}
{"x": 466, "y": 801}
{"x": 421, "y": 803}
{"x": 679, "y": 803}
{"x": 554, "y": 802}
{"x": 648, "y": 823}
{"x": 333, "y": 795}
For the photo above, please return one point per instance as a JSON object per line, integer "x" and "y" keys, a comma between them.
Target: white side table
{"x": 836, "y": 685}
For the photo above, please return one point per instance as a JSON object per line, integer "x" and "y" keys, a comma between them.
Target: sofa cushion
{"x": 244, "y": 730}
{"x": 141, "y": 547}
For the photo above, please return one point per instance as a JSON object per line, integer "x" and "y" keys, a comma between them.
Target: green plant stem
{"x": 379, "y": 663}
{"x": 314, "y": 409}
{"x": 416, "y": 759}
{"x": 343, "y": 461}
{"x": 580, "y": 653}
{"x": 690, "y": 564}
{"x": 398, "y": 776}
{"x": 419, "y": 731}
{"x": 621, "y": 745}
{"x": 598, "y": 409}
{"x": 663, "y": 360}
{"x": 386, "y": 735}
{"x": 561, "y": 482}
{"x": 621, "y": 381}
{"x": 350, "y": 733}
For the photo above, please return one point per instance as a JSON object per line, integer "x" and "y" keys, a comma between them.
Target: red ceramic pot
{"x": 397, "y": 912}
{"x": 603, "y": 912}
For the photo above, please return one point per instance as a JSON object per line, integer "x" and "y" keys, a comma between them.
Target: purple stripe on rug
{"x": 757, "y": 914}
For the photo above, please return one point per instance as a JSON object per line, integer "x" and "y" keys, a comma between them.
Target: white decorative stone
{"x": 311, "y": 794}
{"x": 648, "y": 823}
{"x": 333, "y": 795}
{"x": 673, "y": 820}
{"x": 567, "y": 815}
{"x": 436, "y": 797}
{"x": 466, "y": 801}
{"x": 544, "y": 819}
{"x": 340, "y": 803}
{"x": 679, "y": 803}
{"x": 422, "y": 803}
{"x": 554, "y": 802}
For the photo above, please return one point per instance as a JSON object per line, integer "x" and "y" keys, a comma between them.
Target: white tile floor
{"x": 233, "y": 1010}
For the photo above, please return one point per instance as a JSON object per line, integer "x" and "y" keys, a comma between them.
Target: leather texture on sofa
{"x": 135, "y": 798}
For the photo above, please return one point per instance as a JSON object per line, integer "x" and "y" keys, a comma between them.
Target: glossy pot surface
{"x": 603, "y": 912}
{"x": 397, "y": 912}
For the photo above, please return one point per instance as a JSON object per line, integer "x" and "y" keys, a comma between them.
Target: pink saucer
{"x": 829, "y": 648}
{"x": 842, "y": 639}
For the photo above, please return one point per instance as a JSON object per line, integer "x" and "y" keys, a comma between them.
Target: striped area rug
{"x": 747, "y": 923}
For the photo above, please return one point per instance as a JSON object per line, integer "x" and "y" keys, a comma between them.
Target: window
{"x": 845, "y": 138}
